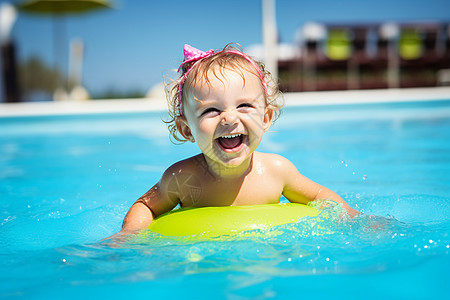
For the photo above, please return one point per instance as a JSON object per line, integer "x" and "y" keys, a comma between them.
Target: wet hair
{"x": 197, "y": 72}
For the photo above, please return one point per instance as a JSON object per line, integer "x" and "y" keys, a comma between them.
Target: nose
{"x": 229, "y": 117}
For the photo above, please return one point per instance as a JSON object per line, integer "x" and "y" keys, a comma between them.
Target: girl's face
{"x": 227, "y": 117}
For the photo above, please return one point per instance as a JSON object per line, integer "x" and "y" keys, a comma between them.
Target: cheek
{"x": 206, "y": 127}
{"x": 198, "y": 127}
{"x": 255, "y": 120}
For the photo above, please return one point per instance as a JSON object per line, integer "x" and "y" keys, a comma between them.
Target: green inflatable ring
{"x": 209, "y": 222}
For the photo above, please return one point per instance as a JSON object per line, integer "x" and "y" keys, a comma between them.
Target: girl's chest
{"x": 250, "y": 191}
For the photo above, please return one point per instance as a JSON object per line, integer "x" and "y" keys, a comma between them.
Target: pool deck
{"x": 158, "y": 103}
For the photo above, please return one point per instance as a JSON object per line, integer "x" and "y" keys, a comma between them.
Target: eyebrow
{"x": 248, "y": 99}
{"x": 203, "y": 103}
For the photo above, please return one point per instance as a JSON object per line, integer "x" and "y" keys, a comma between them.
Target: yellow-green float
{"x": 210, "y": 222}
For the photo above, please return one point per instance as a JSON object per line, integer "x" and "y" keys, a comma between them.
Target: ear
{"x": 268, "y": 116}
{"x": 183, "y": 128}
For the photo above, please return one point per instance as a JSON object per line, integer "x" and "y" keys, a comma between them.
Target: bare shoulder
{"x": 275, "y": 162}
{"x": 189, "y": 165}
{"x": 190, "y": 171}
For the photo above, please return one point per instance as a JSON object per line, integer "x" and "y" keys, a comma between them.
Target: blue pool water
{"x": 66, "y": 182}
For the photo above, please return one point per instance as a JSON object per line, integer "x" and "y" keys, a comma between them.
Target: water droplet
{"x": 364, "y": 177}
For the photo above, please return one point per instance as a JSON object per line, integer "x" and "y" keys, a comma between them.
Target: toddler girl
{"x": 224, "y": 101}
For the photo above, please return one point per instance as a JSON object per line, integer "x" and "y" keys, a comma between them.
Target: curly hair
{"x": 226, "y": 59}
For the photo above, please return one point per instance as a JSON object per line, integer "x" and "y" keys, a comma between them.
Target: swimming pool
{"x": 67, "y": 181}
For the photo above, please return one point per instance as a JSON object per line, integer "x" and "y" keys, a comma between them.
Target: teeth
{"x": 231, "y": 136}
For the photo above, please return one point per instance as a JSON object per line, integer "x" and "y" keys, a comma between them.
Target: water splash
{"x": 330, "y": 243}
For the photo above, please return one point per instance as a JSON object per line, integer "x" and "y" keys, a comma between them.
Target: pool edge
{"x": 159, "y": 104}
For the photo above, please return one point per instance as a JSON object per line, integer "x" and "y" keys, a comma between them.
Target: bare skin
{"x": 230, "y": 107}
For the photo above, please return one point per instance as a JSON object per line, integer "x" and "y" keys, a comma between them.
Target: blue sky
{"x": 130, "y": 46}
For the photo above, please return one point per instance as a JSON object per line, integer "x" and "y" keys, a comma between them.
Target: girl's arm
{"x": 299, "y": 189}
{"x": 150, "y": 205}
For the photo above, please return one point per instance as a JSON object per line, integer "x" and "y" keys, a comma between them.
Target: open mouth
{"x": 231, "y": 143}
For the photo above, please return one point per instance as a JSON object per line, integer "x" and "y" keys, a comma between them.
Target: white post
{"x": 76, "y": 60}
{"x": 390, "y": 31}
{"x": 8, "y": 16}
{"x": 270, "y": 37}
{"x": 78, "y": 92}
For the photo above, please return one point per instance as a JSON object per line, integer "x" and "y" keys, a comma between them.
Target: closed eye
{"x": 210, "y": 111}
{"x": 245, "y": 106}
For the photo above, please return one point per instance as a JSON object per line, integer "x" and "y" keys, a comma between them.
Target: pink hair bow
{"x": 190, "y": 54}
{"x": 193, "y": 54}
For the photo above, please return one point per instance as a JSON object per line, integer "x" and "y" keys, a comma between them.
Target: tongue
{"x": 230, "y": 143}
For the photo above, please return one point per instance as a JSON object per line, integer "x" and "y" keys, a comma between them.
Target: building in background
{"x": 368, "y": 56}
